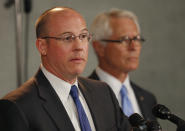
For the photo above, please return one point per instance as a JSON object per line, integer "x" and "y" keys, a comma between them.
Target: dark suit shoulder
{"x": 96, "y": 87}
{"x": 146, "y": 101}
{"x": 24, "y": 92}
{"x": 143, "y": 91}
{"x": 94, "y": 76}
{"x": 84, "y": 79}
{"x": 11, "y": 117}
{"x": 12, "y": 107}
{"x": 93, "y": 84}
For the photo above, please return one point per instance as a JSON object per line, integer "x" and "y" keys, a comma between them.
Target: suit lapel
{"x": 87, "y": 93}
{"x": 94, "y": 76}
{"x": 52, "y": 104}
{"x": 140, "y": 99}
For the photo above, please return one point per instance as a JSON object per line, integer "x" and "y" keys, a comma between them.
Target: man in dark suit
{"x": 117, "y": 44}
{"x": 56, "y": 99}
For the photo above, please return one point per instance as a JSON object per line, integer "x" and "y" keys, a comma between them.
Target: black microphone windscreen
{"x": 181, "y": 128}
{"x": 161, "y": 111}
{"x": 135, "y": 129}
{"x": 135, "y": 120}
{"x": 153, "y": 126}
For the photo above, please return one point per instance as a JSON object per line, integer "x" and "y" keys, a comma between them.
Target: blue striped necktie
{"x": 126, "y": 104}
{"x": 84, "y": 123}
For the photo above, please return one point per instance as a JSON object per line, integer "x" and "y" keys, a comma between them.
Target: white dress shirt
{"x": 115, "y": 84}
{"x": 62, "y": 88}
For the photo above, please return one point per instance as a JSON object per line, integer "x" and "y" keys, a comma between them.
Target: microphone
{"x": 153, "y": 126}
{"x": 181, "y": 128}
{"x": 135, "y": 129}
{"x": 163, "y": 112}
{"x": 137, "y": 121}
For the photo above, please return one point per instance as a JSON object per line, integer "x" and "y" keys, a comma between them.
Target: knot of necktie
{"x": 123, "y": 91}
{"x": 126, "y": 103}
{"x": 74, "y": 92}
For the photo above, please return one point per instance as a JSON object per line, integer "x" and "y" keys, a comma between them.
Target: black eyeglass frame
{"x": 125, "y": 38}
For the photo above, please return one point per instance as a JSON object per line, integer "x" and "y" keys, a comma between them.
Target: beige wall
{"x": 162, "y": 66}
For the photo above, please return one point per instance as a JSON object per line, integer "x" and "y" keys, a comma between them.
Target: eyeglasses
{"x": 69, "y": 37}
{"x": 126, "y": 40}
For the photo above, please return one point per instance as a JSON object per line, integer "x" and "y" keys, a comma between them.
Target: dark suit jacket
{"x": 35, "y": 106}
{"x": 145, "y": 99}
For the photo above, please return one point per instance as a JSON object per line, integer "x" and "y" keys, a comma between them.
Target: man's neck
{"x": 68, "y": 78}
{"x": 121, "y": 76}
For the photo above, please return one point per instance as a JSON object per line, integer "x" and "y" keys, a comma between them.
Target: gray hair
{"x": 101, "y": 29}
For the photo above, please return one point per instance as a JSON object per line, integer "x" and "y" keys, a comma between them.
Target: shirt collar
{"x": 61, "y": 87}
{"x": 112, "y": 81}
{"x": 127, "y": 83}
{"x": 108, "y": 78}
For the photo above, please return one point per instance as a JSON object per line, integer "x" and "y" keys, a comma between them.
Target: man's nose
{"x": 132, "y": 44}
{"x": 79, "y": 44}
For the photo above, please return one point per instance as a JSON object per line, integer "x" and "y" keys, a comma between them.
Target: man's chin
{"x": 78, "y": 72}
{"x": 131, "y": 68}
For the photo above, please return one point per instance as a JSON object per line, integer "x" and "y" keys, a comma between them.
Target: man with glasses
{"x": 117, "y": 42}
{"x": 56, "y": 98}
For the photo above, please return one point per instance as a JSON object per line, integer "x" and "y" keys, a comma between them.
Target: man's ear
{"x": 41, "y": 45}
{"x": 99, "y": 48}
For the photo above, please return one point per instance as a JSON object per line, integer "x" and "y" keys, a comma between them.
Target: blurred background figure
{"x": 117, "y": 42}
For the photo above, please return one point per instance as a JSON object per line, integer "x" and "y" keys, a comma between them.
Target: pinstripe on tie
{"x": 84, "y": 123}
{"x": 126, "y": 104}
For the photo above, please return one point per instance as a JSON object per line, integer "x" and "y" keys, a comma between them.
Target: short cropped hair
{"x": 100, "y": 27}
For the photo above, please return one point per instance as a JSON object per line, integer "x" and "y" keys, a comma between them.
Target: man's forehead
{"x": 64, "y": 12}
{"x": 66, "y": 17}
{"x": 62, "y": 21}
{"x": 85, "y": 30}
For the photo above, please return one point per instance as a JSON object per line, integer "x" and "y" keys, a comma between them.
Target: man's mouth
{"x": 77, "y": 60}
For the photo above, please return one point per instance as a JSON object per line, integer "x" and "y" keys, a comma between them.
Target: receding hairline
{"x": 42, "y": 20}
{"x": 50, "y": 11}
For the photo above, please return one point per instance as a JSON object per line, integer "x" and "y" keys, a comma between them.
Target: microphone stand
{"x": 27, "y": 10}
{"x": 19, "y": 37}
{"x": 18, "y": 17}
